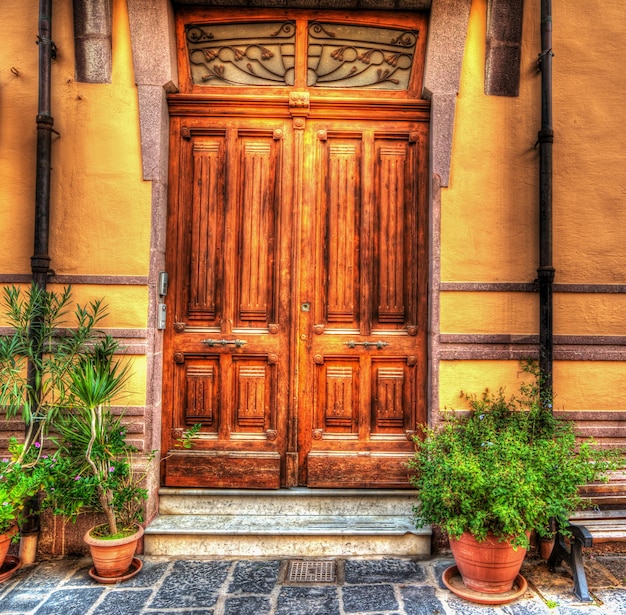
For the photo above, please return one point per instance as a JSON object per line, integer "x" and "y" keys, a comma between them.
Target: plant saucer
{"x": 453, "y": 581}
{"x": 9, "y": 566}
{"x": 135, "y": 566}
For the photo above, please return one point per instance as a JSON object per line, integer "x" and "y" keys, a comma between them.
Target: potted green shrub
{"x": 23, "y": 474}
{"x": 45, "y": 339}
{"x": 94, "y": 470}
{"x": 491, "y": 476}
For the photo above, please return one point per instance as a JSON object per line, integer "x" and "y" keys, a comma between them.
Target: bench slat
{"x": 609, "y": 536}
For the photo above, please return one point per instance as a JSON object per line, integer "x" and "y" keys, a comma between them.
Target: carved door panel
{"x": 296, "y": 248}
{"x": 227, "y": 351}
{"x": 362, "y": 320}
{"x": 297, "y": 309}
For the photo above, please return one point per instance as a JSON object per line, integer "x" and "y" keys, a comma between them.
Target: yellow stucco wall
{"x": 579, "y": 385}
{"x": 493, "y": 182}
{"x": 100, "y": 222}
{"x": 489, "y": 212}
{"x": 100, "y": 206}
{"x": 100, "y": 219}
{"x": 489, "y": 313}
{"x": 590, "y": 141}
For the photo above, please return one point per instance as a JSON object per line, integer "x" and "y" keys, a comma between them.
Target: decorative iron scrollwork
{"x": 358, "y": 56}
{"x": 339, "y": 55}
{"x": 254, "y": 54}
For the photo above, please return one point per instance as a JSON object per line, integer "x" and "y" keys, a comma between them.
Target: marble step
{"x": 294, "y": 501}
{"x": 285, "y": 523}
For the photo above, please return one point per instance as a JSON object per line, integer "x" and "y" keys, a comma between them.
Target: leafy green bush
{"x": 22, "y": 476}
{"x": 507, "y": 467}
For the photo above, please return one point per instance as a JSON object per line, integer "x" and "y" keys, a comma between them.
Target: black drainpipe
{"x": 40, "y": 261}
{"x": 546, "y": 137}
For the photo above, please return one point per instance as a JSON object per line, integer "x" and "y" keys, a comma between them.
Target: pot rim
{"x": 91, "y": 540}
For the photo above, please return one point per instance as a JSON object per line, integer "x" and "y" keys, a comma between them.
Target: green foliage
{"x": 21, "y": 477}
{"x": 507, "y": 467}
{"x": 186, "y": 440}
{"x": 94, "y": 468}
{"x": 57, "y": 369}
{"x": 37, "y": 357}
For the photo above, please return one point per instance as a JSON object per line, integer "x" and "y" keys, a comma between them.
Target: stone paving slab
{"x": 363, "y": 586}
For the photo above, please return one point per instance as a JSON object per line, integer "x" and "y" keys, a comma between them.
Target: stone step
{"x": 295, "y": 501}
{"x": 285, "y": 523}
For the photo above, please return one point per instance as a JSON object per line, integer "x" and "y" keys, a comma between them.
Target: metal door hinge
{"x": 161, "y": 316}
{"x": 163, "y": 283}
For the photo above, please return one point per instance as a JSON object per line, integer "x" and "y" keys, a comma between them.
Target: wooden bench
{"x": 587, "y": 528}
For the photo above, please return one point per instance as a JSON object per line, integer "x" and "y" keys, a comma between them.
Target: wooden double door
{"x": 296, "y": 327}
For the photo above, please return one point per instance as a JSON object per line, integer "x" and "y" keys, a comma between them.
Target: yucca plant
{"x": 94, "y": 469}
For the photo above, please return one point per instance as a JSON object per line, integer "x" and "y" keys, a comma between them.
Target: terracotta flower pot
{"x": 113, "y": 558}
{"x": 490, "y": 566}
{"x": 5, "y": 543}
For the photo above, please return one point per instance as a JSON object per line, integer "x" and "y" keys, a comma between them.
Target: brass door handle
{"x": 211, "y": 342}
{"x": 379, "y": 345}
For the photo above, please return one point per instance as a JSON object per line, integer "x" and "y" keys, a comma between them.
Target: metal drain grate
{"x": 311, "y": 572}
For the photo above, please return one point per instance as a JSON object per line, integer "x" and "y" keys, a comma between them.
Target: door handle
{"x": 379, "y": 345}
{"x": 211, "y": 342}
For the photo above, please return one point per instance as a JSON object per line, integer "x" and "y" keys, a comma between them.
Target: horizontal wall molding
{"x": 132, "y": 341}
{"x": 579, "y": 340}
{"x": 590, "y": 288}
{"x": 593, "y": 416}
{"x": 107, "y": 280}
{"x": 530, "y": 287}
{"x": 606, "y": 427}
{"x": 472, "y": 347}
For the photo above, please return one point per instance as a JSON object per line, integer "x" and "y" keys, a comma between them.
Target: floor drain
{"x": 311, "y": 572}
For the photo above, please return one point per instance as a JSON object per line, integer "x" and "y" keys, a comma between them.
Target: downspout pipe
{"x": 546, "y": 271}
{"x": 40, "y": 261}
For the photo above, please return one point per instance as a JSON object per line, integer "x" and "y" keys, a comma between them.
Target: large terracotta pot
{"x": 490, "y": 566}
{"x": 113, "y": 558}
{"x": 5, "y": 543}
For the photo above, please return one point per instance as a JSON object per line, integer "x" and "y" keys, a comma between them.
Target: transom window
{"x": 336, "y": 55}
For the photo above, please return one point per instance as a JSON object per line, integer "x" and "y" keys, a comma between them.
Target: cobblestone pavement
{"x": 363, "y": 586}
